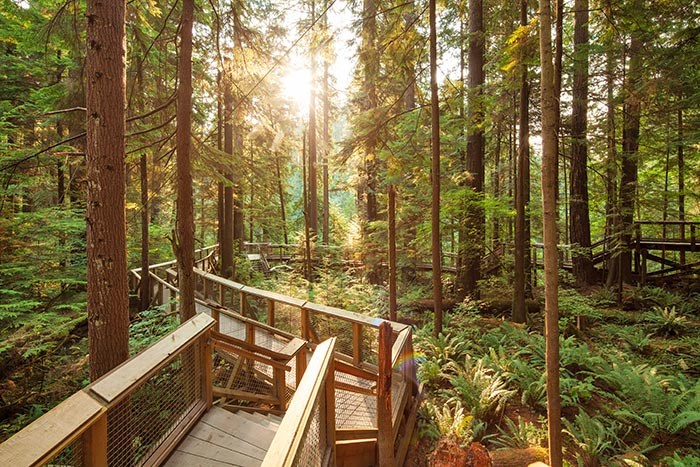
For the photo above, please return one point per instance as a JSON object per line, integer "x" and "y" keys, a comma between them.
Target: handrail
{"x": 314, "y": 390}
{"x": 83, "y": 416}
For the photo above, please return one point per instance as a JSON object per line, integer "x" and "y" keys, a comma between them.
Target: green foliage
{"x": 679, "y": 460}
{"x": 149, "y": 326}
{"x": 521, "y": 435}
{"x": 665, "y": 321}
{"x": 596, "y": 439}
{"x": 478, "y": 388}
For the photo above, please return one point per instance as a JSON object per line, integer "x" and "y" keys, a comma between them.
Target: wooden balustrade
{"x": 314, "y": 397}
{"x": 78, "y": 426}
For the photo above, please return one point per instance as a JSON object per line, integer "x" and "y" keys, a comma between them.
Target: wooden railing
{"x": 147, "y": 405}
{"x": 306, "y": 435}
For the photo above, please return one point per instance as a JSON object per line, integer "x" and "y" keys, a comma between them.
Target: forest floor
{"x": 630, "y": 389}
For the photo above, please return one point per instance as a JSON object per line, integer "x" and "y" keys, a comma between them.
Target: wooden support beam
{"x": 95, "y": 443}
{"x": 356, "y": 343}
{"x": 385, "y": 434}
{"x": 270, "y": 312}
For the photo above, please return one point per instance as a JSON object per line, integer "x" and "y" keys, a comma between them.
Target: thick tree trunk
{"x": 475, "y": 153}
{"x": 549, "y": 227}
{"x": 107, "y": 289}
{"x": 580, "y": 226}
{"x": 435, "y": 176}
{"x": 184, "y": 235}
{"x": 630, "y": 155}
{"x": 227, "y": 227}
{"x": 611, "y": 214}
{"x": 521, "y": 174}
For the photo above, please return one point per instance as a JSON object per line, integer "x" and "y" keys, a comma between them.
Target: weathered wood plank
{"x": 49, "y": 434}
{"x": 290, "y": 433}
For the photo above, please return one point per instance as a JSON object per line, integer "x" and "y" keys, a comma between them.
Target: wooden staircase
{"x": 223, "y": 438}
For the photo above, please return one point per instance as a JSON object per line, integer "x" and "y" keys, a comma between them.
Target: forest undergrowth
{"x": 629, "y": 377}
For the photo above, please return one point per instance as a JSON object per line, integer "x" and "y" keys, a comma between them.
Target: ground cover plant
{"x": 629, "y": 394}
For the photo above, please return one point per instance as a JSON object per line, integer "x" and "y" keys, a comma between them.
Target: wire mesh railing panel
{"x": 231, "y": 326}
{"x": 71, "y": 455}
{"x": 234, "y": 372}
{"x": 137, "y": 425}
{"x": 256, "y": 308}
{"x": 312, "y": 448}
{"x": 265, "y": 339}
{"x": 354, "y": 410}
{"x": 288, "y": 318}
{"x": 328, "y": 326}
{"x": 370, "y": 345}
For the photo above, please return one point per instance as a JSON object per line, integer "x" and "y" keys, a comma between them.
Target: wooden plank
{"x": 355, "y": 371}
{"x": 119, "y": 381}
{"x": 408, "y": 429}
{"x": 292, "y": 347}
{"x": 353, "y": 388}
{"x": 243, "y": 395}
{"x": 168, "y": 445}
{"x": 205, "y": 449}
{"x": 218, "y": 344}
{"x": 95, "y": 442}
{"x": 184, "y": 459}
{"x": 351, "y": 316}
{"x": 290, "y": 433}
{"x": 356, "y": 452}
{"x": 385, "y": 438}
{"x": 51, "y": 433}
{"x": 241, "y": 428}
{"x": 398, "y": 347}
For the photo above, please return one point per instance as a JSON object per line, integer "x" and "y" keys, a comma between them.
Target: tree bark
{"x": 549, "y": 228}
{"x": 630, "y": 154}
{"x": 107, "y": 289}
{"x": 391, "y": 228}
{"x": 473, "y": 244}
{"x": 435, "y": 176}
{"x": 681, "y": 180}
{"x": 184, "y": 235}
{"x": 227, "y": 228}
{"x": 312, "y": 213}
{"x": 145, "y": 221}
{"x": 326, "y": 146}
{"x": 521, "y": 173}
{"x": 580, "y": 225}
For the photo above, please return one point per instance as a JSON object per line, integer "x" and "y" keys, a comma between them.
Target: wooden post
{"x": 216, "y": 314}
{"x": 270, "y": 312}
{"x": 330, "y": 412}
{"x": 222, "y": 295}
{"x": 207, "y": 287}
{"x": 385, "y": 433}
{"x": 356, "y": 343}
{"x": 159, "y": 294}
{"x": 95, "y": 443}
{"x": 643, "y": 272}
{"x": 242, "y": 303}
{"x": 305, "y": 323}
{"x": 206, "y": 350}
{"x": 279, "y": 381}
{"x": 300, "y": 364}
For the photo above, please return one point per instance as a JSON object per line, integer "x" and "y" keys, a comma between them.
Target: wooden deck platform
{"x": 222, "y": 438}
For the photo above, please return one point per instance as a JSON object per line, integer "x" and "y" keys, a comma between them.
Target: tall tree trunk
{"x": 369, "y": 56}
{"x": 630, "y": 154}
{"x": 496, "y": 234}
{"x": 107, "y": 289}
{"x": 184, "y": 235}
{"x": 521, "y": 175}
{"x": 280, "y": 191}
{"x": 145, "y": 221}
{"x": 312, "y": 213}
{"x": 549, "y": 228}
{"x": 326, "y": 143}
{"x": 238, "y": 117}
{"x": 580, "y": 227}
{"x": 220, "y": 146}
{"x": 435, "y": 175}
{"x": 475, "y": 152}
{"x": 611, "y": 216}
{"x": 681, "y": 179}
{"x": 391, "y": 228}
{"x": 227, "y": 228}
